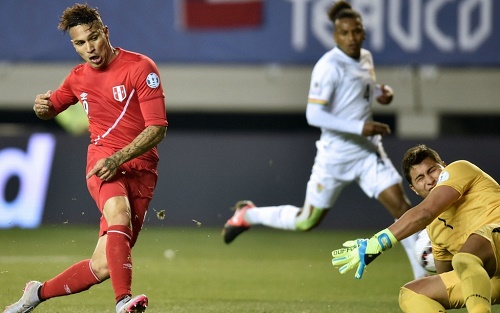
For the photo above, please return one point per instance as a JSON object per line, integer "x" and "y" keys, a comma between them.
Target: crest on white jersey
{"x": 153, "y": 80}
{"x": 119, "y": 93}
{"x": 316, "y": 89}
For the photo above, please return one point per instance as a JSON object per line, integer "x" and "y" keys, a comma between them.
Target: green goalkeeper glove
{"x": 361, "y": 252}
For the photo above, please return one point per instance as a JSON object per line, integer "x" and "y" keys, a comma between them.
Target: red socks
{"x": 77, "y": 278}
{"x": 119, "y": 259}
{"x": 80, "y": 277}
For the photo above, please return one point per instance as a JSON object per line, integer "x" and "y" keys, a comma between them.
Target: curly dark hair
{"x": 415, "y": 156}
{"x": 79, "y": 14}
{"x": 342, "y": 9}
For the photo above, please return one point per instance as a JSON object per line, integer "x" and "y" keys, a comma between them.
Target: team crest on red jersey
{"x": 119, "y": 93}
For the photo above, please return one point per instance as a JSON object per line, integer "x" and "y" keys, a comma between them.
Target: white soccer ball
{"x": 423, "y": 252}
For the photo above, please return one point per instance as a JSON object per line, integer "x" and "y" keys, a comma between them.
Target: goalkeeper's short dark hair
{"x": 415, "y": 156}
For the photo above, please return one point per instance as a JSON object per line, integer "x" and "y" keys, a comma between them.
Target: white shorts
{"x": 373, "y": 173}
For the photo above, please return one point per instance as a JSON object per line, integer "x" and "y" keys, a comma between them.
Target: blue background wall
{"x": 456, "y": 33}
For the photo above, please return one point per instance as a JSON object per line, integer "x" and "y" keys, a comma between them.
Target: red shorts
{"x": 133, "y": 180}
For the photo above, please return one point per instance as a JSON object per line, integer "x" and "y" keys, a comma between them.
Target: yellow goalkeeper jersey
{"x": 478, "y": 205}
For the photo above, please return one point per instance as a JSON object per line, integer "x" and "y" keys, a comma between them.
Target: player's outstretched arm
{"x": 361, "y": 252}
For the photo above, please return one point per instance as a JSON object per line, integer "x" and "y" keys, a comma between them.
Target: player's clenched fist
{"x": 43, "y": 106}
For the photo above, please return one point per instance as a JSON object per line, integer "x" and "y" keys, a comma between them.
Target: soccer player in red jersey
{"x": 122, "y": 95}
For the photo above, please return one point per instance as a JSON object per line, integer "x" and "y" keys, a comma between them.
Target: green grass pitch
{"x": 263, "y": 271}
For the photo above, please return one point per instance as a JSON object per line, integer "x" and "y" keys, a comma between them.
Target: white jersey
{"x": 345, "y": 88}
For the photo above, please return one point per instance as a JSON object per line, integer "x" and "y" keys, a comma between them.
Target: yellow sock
{"x": 476, "y": 286}
{"x": 412, "y": 302}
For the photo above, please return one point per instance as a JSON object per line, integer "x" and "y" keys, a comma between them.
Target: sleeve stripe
{"x": 317, "y": 101}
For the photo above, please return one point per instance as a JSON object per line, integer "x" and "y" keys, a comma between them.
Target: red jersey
{"x": 120, "y": 100}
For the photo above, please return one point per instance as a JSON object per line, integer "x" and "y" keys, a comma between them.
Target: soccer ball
{"x": 423, "y": 252}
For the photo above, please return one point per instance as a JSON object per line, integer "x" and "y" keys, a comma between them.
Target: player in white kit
{"x": 342, "y": 88}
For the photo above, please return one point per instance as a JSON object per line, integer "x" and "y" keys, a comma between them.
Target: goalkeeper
{"x": 461, "y": 210}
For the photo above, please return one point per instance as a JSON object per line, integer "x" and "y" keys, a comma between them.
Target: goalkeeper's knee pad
{"x": 412, "y": 302}
{"x": 463, "y": 262}
{"x": 476, "y": 285}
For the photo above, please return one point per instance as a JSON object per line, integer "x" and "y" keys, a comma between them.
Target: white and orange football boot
{"x": 28, "y": 301}
{"x": 237, "y": 223}
{"x": 137, "y": 304}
